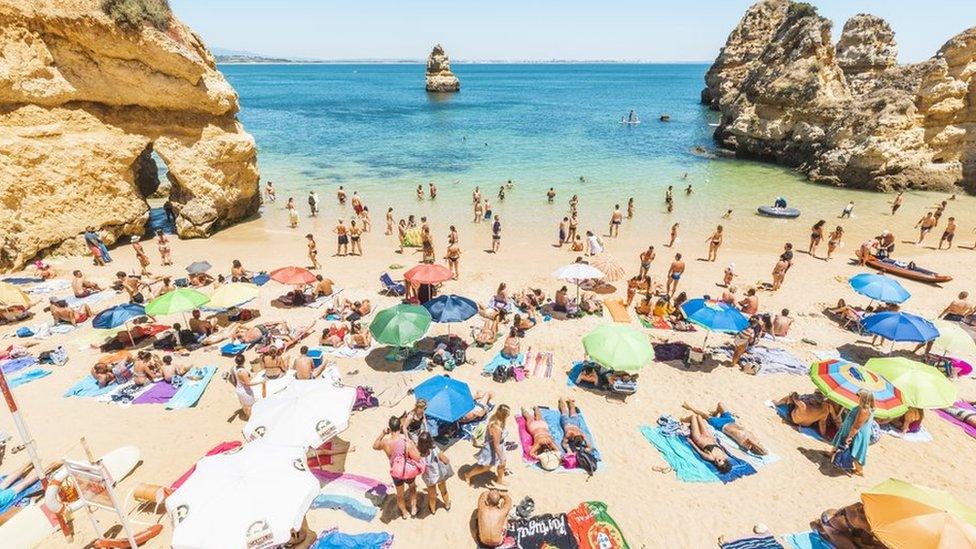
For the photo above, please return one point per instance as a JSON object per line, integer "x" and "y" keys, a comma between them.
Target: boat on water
{"x": 630, "y": 120}
{"x": 784, "y": 213}
{"x": 665, "y": 117}
{"x": 907, "y": 270}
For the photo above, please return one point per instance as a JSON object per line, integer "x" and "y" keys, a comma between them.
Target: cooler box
{"x": 316, "y": 356}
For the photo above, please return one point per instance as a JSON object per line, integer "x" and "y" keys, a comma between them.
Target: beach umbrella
{"x": 618, "y": 347}
{"x": 904, "y": 516}
{"x": 577, "y": 273}
{"x": 606, "y": 264}
{"x": 428, "y": 273}
{"x": 230, "y": 295}
{"x": 118, "y": 315}
{"x": 447, "y": 399}
{"x": 293, "y": 275}
{"x": 179, "y": 300}
{"x": 401, "y": 325}
{"x": 198, "y": 267}
{"x": 900, "y": 326}
{"x": 11, "y": 295}
{"x": 879, "y": 288}
{"x": 254, "y": 496}
{"x": 840, "y": 381}
{"x": 451, "y": 308}
{"x": 953, "y": 340}
{"x": 714, "y": 316}
{"x": 307, "y": 413}
{"x": 921, "y": 385}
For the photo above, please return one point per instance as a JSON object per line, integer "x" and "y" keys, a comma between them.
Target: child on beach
{"x": 164, "y": 251}
{"x": 729, "y": 275}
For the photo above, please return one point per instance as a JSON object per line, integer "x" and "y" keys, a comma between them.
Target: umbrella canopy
{"x": 198, "y": 267}
{"x": 577, "y": 272}
{"x": 11, "y": 295}
{"x": 618, "y": 347}
{"x": 400, "y": 325}
{"x": 921, "y": 385}
{"x": 179, "y": 300}
{"x": 841, "y": 380}
{"x": 952, "y": 340}
{"x": 234, "y": 294}
{"x": 900, "y": 326}
{"x": 606, "y": 264}
{"x": 904, "y": 515}
{"x": 879, "y": 288}
{"x": 451, "y": 308}
{"x": 259, "y": 492}
{"x": 307, "y": 413}
{"x": 715, "y": 316}
{"x": 118, "y": 315}
{"x": 427, "y": 273}
{"x": 447, "y": 399}
{"x": 292, "y": 275}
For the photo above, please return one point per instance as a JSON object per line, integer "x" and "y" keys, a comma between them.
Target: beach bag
{"x": 586, "y": 461}
{"x": 843, "y": 458}
{"x": 502, "y": 374}
{"x": 24, "y": 331}
{"x": 404, "y": 468}
{"x": 181, "y": 282}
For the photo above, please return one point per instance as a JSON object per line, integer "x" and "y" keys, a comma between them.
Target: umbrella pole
{"x": 129, "y": 333}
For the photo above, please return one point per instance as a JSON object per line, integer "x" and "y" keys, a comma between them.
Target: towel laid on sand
{"x": 784, "y": 415}
{"x": 499, "y": 360}
{"x": 160, "y": 393}
{"x": 334, "y": 539}
{"x": 919, "y": 436}
{"x": 194, "y": 384}
{"x": 617, "y": 310}
{"x": 125, "y": 394}
{"x": 755, "y": 542}
{"x": 9, "y": 498}
{"x": 90, "y": 300}
{"x": 16, "y": 364}
{"x": 755, "y": 459}
{"x": 88, "y": 387}
{"x": 551, "y": 418}
{"x": 28, "y": 376}
{"x": 969, "y": 429}
{"x": 49, "y": 286}
{"x": 345, "y": 351}
{"x": 769, "y": 360}
{"x": 358, "y": 496}
{"x": 686, "y": 462}
{"x": 594, "y": 528}
{"x": 806, "y": 540}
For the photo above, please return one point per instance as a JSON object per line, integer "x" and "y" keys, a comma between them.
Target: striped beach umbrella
{"x": 609, "y": 266}
{"x": 840, "y": 381}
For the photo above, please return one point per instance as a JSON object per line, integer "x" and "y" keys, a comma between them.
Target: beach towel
{"x": 573, "y": 373}
{"x": 124, "y": 394}
{"x": 160, "y": 393}
{"x": 969, "y": 429}
{"x": 218, "y": 449}
{"x": 90, "y": 300}
{"x": 541, "y": 532}
{"x": 688, "y": 464}
{"x": 499, "y": 360}
{"x": 464, "y": 431}
{"x": 806, "y": 540}
{"x": 782, "y": 412}
{"x": 16, "y": 364}
{"x": 345, "y": 351}
{"x": 194, "y": 384}
{"x": 617, "y": 309}
{"x": 755, "y": 460}
{"x": 27, "y": 377}
{"x": 9, "y": 498}
{"x": 49, "y": 286}
{"x": 551, "y": 418}
{"x": 88, "y": 387}
{"x": 769, "y": 360}
{"x": 593, "y": 528}
{"x": 22, "y": 280}
{"x": 756, "y": 542}
{"x": 261, "y": 279}
{"x": 922, "y": 435}
{"x": 358, "y": 496}
{"x": 334, "y": 539}
{"x": 674, "y": 350}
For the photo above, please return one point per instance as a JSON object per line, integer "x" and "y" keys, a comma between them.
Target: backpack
{"x": 502, "y": 374}
{"x": 586, "y": 461}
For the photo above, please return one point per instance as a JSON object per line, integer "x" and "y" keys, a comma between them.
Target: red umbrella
{"x": 293, "y": 275}
{"x": 428, "y": 274}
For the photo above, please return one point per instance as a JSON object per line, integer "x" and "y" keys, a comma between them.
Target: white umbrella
{"x": 306, "y": 414}
{"x": 252, "y": 497}
{"x": 578, "y": 272}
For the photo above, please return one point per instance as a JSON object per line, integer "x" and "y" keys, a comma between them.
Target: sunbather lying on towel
{"x": 259, "y": 333}
{"x": 296, "y": 298}
{"x": 722, "y": 420}
{"x": 543, "y": 447}
{"x": 15, "y": 313}
{"x": 573, "y": 437}
{"x": 359, "y": 337}
{"x": 812, "y": 410}
{"x": 16, "y": 482}
{"x": 62, "y": 313}
{"x": 706, "y": 445}
{"x": 335, "y": 335}
{"x": 488, "y": 333}
{"x": 966, "y": 416}
{"x": 105, "y": 369}
{"x": 530, "y": 298}
{"x": 482, "y": 401}
{"x": 606, "y": 379}
{"x": 350, "y": 311}
{"x": 221, "y": 335}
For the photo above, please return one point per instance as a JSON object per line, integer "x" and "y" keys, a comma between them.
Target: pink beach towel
{"x": 525, "y": 438}
{"x": 969, "y": 429}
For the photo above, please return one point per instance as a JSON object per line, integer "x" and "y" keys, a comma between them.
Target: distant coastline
{"x": 264, "y": 60}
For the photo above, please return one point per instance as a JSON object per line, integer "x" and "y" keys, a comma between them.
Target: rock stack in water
{"x": 845, "y": 114}
{"x": 85, "y": 99}
{"x": 439, "y": 76}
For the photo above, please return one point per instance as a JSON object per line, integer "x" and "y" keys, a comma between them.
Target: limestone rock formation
{"x": 847, "y": 114}
{"x": 439, "y": 76}
{"x": 83, "y": 105}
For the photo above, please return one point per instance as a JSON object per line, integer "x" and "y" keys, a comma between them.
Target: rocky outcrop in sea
{"x": 84, "y": 102}
{"x": 845, "y": 114}
{"x": 439, "y": 77}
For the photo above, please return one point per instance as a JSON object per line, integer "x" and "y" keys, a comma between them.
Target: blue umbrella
{"x": 451, "y": 308}
{"x": 715, "y": 316}
{"x": 447, "y": 399}
{"x": 118, "y": 315}
{"x": 880, "y": 288}
{"x": 899, "y": 326}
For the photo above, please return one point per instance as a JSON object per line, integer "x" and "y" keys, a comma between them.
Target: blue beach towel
{"x": 573, "y": 373}
{"x": 233, "y": 349}
{"x": 9, "y": 498}
{"x": 754, "y": 459}
{"x": 334, "y": 539}
{"x": 346, "y": 504}
{"x": 784, "y": 414}
{"x": 192, "y": 389}
{"x": 739, "y": 467}
{"x": 261, "y": 279}
{"x": 807, "y": 540}
{"x": 552, "y": 420}
{"x": 22, "y": 280}
{"x": 17, "y": 364}
{"x": 31, "y": 375}
{"x": 680, "y": 457}
{"x": 499, "y": 360}
{"x": 88, "y": 387}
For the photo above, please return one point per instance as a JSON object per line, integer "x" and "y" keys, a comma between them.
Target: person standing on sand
{"x": 573, "y": 228}
{"x": 897, "y": 202}
{"x": 140, "y": 255}
{"x": 313, "y": 203}
{"x": 437, "y": 472}
{"x": 364, "y": 218}
{"x": 342, "y": 238}
{"x": 488, "y": 212}
{"x": 675, "y": 271}
{"x": 834, "y": 240}
{"x": 847, "y": 210}
{"x": 492, "y": 454}
{"x": 782, "y": 265}
{"x": 496, "y": 234}
{"x": 925, "y": 226}
{"x": 630, "y": 208}
{"x": 478, "y": 211}
{"x": 615, "y": 219}
{"x": 949, "y": 233}
{"x": 432, "y": 189}
{"x": 269, "y": 191}
{"x": 573, "y": 205}
{"x": 594, "y": 243}
{"x": 453, "y": 258}
{"x": 674, "y": 235}
{"x": 355, "y": 238}
{"x": 816, "y": 236}
{"x": 405, "y": 464}
{"x": 854, "y": 434}
{"x": 426, "y": 245}
{"x": 401, "y": 234}
{"x": 476, "y": 195}
{"x": 551, "y": 195}
{"x": 563, "y": 231}
{"x": 292, "y": 212}
{"x": 341, "y": 195}
{"x": 162, "y": 242}
{"x": 357, "y": 203}
{"x": 313, "y": 251}
{"x": 645, "y": 262}
{"x": 714, "y": 242}
{"x": 939, "y": 210}
{"x": 389, "y": 221}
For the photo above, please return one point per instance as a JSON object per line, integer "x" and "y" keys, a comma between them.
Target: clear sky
{"x": 646, "y": 30}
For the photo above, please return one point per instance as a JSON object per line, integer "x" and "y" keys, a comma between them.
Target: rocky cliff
{"x": 84, "y": 102}
{"x": 845, "y": 114}
{"x": 439, "y": 76}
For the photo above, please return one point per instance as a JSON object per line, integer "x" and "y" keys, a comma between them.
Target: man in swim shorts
{"x": 674, "y": 274}
{"x": 569, "y": 420}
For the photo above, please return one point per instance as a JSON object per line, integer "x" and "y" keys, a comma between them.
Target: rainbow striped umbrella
{"x": 840, "y": 381}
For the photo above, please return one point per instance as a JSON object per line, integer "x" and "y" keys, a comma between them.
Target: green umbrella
{"x": 618, "y": 347}
{"x": 921, "y": 385}
{"x": 401, "y": 325}
{"x": 179, "y": 300}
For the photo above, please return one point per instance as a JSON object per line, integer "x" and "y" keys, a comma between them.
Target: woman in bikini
{"x": 147, "y": 368}
{"x": 706, "y": 445}
{"x": 512, "y": 344}
{"x": 313, "y": 251}
{"x": 163, "y": 243}
{"x": 426, "y": 245}
{"x": 714, "y": 242}
{"x": 355, "y": 234}
{"x": 414, "y": 422}
{"x": 273, "y": 364}
{"x": 816, "y": 236}
{"x": 359, "y": 337}
{"x": 140, "y": 255}
{"x": 542, "y": 441}
{"x": 389, "y": 221}
{"x": 833, "y": 241}
{"x": 401, "y": 234}
{"x": 722, "y": 420}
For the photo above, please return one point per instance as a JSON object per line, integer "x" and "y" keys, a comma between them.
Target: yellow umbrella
{"x": 904, "y": 516}
{"x": 232, "y": 295}
{"x": 953, "y": 340}
{"x": 11, "y": 295}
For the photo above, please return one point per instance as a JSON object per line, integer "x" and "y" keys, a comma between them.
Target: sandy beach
{"x": 653, "y": 509}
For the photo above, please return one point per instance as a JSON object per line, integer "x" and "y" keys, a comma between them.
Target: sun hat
{"x": 549, "y": 461}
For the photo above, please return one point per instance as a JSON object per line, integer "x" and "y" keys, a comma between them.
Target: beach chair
{"x": 391, "y": 287}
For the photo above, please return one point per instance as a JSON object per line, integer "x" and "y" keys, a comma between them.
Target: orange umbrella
{"x": 904, "y": 516}
{"x": 428, "y": 274}
{"x": 293, "y": 275}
